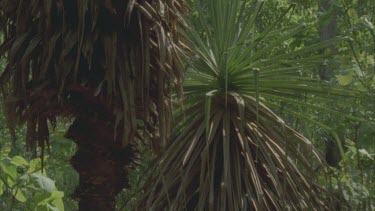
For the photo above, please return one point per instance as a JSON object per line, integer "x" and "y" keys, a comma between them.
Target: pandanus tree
{"x": 229, "y": 150}
{"x": 108, "y": 65}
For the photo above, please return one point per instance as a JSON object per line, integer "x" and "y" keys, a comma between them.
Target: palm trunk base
{"x": 102, "y": 164}
{"x": 95, "y": 203}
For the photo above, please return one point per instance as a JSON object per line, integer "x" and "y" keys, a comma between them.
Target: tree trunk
{"x": 101, "y": 163}
{"x": 327, "y": 31}
{"x": 101, "y": 160}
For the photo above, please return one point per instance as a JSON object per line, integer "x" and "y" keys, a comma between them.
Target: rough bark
{"x": 101, "y": 160}
{"x": 327, "y": 31}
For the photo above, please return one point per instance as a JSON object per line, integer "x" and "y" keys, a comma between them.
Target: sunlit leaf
{"x": 19, "y": 195}
{"x": 59, "y": 204}
{"x": 10, "y": 171}
{"x": 19, "y": 161}
{"x": 43, "y": 182}
{"x": 34, "y": 165}
{"x": 345, "y": 80}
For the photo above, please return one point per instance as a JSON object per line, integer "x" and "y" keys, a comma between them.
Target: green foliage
{"x": 37, "y": 188}
{"x": 23, "y": 186}
{"x": 58, "y": 165}
{"x": 356, "y": 183}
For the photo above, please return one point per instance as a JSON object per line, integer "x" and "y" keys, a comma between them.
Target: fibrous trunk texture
{"x": 101, "y": 163}
{"x": 101, "y": 160}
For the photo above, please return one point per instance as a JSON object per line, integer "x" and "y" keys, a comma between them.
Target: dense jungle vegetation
{"x": 187, "y": 105}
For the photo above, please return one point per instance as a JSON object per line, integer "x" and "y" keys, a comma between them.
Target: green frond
{"x": 229, "y": 150}
{"x": 237, "y": 164}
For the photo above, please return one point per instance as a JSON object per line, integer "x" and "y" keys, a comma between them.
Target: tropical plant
{"x": 229, "y": 150}
{"x": 22, "y": 182}
{"x": 356, "y": 184}
{"x": 108, "y": 65}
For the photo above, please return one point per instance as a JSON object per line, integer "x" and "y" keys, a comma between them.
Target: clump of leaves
{"x": 355, "y": 180}
{"x": 23, "y": 185}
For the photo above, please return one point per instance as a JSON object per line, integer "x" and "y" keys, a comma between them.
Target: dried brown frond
{"x": 124, "y": 54}
{"x": 244, "y": 160}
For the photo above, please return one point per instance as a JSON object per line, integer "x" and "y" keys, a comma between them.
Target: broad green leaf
{"x": 44, "y": 182}
{"x": 59, "y": 204}
{"x": 34, "y": 166}
{"x": 19, "y": 195}
{"x": 345, "y": 80}
{"x": 10, "y": 181}
{"x": 10, "y": 171}
{"x": 57, "y": 194}
{"x": 19, "y": 161}
{"x": 41, "y": 198}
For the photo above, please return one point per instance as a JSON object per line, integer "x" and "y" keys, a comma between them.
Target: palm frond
{"x": 121, "y": 54}
{"x": 241, "y": 163}
{"x": 229, "y": 150}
